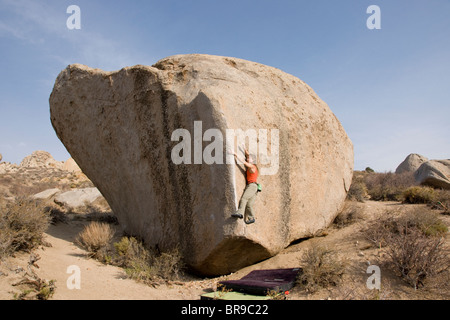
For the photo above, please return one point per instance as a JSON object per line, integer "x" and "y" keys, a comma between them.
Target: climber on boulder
{"x": 251, "y": 190}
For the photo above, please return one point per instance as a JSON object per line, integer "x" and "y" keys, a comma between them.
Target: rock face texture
{"x": 411, "y": 163}
{"x": 123, "y": 130}
{"x": 435, "y": 173}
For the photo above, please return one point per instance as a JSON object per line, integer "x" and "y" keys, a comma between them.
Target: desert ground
{"x": 100, "y": 281}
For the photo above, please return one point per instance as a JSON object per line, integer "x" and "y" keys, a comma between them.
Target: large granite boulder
{"x": 154, "y": 141}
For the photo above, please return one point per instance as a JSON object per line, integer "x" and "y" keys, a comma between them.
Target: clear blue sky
{"x": 390, "y": 88}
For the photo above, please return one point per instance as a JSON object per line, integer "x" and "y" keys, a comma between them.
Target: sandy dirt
{"x": 106, "y": 282}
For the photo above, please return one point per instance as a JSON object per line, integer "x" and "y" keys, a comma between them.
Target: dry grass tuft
{"x": 95, "y": 237}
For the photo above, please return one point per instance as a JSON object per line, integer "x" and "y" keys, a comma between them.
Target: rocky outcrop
{"x": 7, "y": 167}
{"x": 71, "y": 166}
{"x": 154, "y": 141}
{"x": 411, "y": 163}
{"x": 435, "y": 173}
{"x": 40, "y": 159}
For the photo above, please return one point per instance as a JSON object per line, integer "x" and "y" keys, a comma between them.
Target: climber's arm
{"x": 246, "y": 164}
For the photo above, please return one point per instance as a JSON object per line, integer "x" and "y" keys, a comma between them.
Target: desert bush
{"x": 414, "y": 245}
{"x": 442, "y": 201}
{"x": 20, "y": 188}
{"x": 388, "y": 186}
{"x": 147, "y": 265}
{"x": 22, "y": 225}
{"x": 358, "y": 189}
{"x": 349, "y": 214}
{"x": 415, "y": 257}
{"x": 321, "y": 268}
{"x": 95, "y": 237}
{"x": 129, "y": 249}
{"x": 379, "y": 231}
{"x": 428, "y": 223}
{"x": 167, "y": 265}
{"x": 418, "y": 194}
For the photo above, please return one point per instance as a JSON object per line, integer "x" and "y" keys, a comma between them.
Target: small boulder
{"x": 47, "y": 194}
{"x": 77, "y": 198}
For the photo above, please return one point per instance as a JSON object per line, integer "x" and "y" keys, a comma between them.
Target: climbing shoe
{"x": 250, "y": 221}
{"x": 237, "y": 215}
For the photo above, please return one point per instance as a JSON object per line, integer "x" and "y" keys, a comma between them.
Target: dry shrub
{"x": 428, "y": 223}
{"x": 321, "y": 268}
{"x": 147, "y": 265}
{"x": 415, "y": 257}
{"x": 388, "y": 186}
{"x": 33, "y": 287}
{"x": 139, "y": 262}
{"x": 350, "y": 213}
{"x": 414, "y": 245}
{"x": 129, "y": 249}
{"x": 379, "y": 231}
{"x": 442, "y": 201}
{"x": 22, "y": 225}
{"x": 95, "y": 237}
{"x": 357, "y": 191}
{"x": 358, "y": 188}
{"x": 167, "y": 265}
{"x": 419, "y": 194}
{"x": 134, "y": 258}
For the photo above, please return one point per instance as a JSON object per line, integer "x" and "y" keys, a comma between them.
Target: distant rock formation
{"x": 7, "y": 167}
{"x": 411, "y": 163}
{"x": 435, "y": 173}
{"x": 119, "y": 127}
{"x": 40, "y": 159}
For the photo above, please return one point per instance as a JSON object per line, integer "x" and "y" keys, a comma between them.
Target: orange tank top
{"x": 252, "y": 177}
